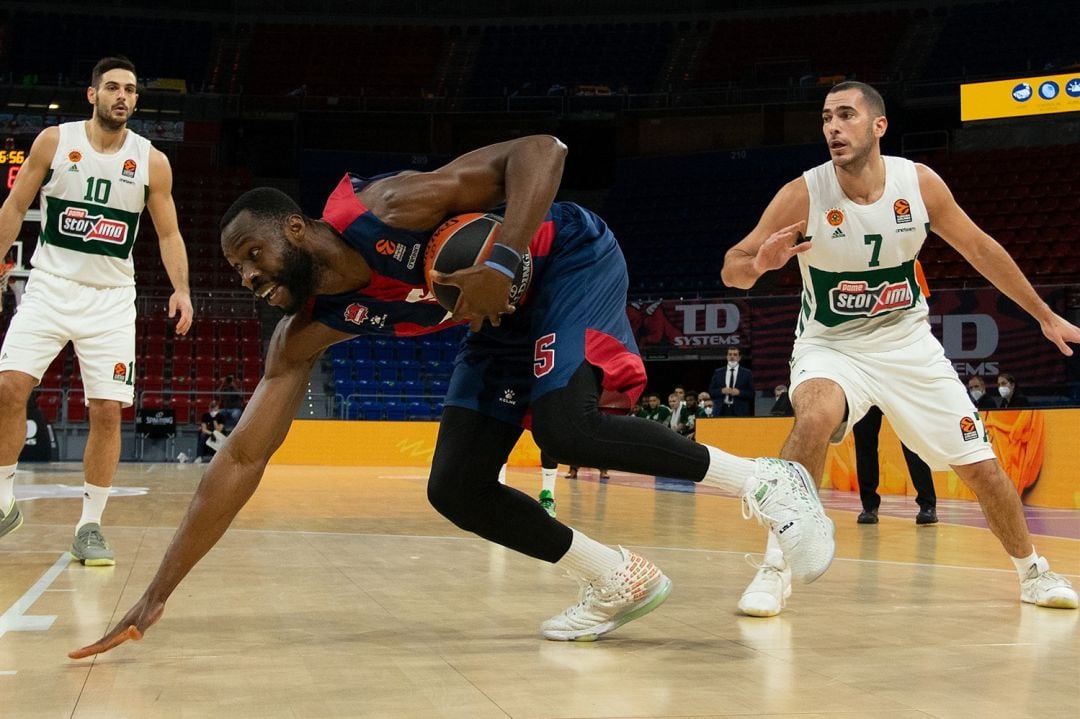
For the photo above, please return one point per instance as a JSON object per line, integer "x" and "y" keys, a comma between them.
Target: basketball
{"x": 463, "y": 241}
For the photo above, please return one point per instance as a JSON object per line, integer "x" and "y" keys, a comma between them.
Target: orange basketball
{"x": 463, "y": 241}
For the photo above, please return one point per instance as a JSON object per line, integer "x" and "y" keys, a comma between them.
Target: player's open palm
{"x": 780, "y": 247}
{"x": 134, "y": 624}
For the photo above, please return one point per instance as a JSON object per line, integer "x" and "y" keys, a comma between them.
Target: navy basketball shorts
{"x": 574, "y": 313}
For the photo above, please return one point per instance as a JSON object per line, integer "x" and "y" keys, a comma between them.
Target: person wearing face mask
{"x": 979, "y": 396}
{"x": 1011, "y": 396}
{"x": 735, "y": 385}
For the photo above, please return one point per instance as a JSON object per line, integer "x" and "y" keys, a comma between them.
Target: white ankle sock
{"x": 1023, "y": 564}
{"x": 588, "y": 558}
{"x": 547, "y": 476}
{"x": 94, "y": 498}
{"x": 7, "y": 486}
{"x": 728, "y": 472}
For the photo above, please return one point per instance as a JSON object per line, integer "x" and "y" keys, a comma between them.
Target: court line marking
{"x": 15, "y": 619}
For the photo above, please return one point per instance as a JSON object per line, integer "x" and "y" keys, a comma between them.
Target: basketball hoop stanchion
{"x": 18, "y": 269}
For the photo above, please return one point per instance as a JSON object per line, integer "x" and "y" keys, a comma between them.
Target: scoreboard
{"x": 13, "y": 152}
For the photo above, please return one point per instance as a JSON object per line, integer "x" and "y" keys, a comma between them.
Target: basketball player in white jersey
{"x": 95, "y": 179}
{"x": 856, "y": 224}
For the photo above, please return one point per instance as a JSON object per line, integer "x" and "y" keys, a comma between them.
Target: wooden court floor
{"x": 340, "y": 593}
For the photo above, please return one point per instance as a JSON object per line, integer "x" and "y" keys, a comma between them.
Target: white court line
{"x": 14, "y": 619}
{"x": 8, "y": 673}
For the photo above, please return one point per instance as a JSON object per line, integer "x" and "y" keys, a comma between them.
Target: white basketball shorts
{"x": 915, "y": 387}
{"x": 99, "y": 322}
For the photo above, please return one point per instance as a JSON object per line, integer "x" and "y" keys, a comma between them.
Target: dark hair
{"x": 264, "y": 203}
{"x": 1008, "y": 378}
{"x": 873, "y": 97}
{"x": 110, "y": 63}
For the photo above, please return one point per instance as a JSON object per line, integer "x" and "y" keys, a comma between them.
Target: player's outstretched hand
{"x": 781, "y": 246}
{"x": 1060, "y": 331}
{"x": 134, "y": 624}
{"x": 485, "y": 294}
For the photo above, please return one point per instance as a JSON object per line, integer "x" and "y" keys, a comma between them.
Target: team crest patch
{"x": 902, "y": 211}
{"x": 968, "y": 429}
{"x": 129, "y": 168}
{"x": 356, "y": 313}
{"x": 74, "y": 156}
{"x": 119, "y": 372}
{"x": 835, "y": 217}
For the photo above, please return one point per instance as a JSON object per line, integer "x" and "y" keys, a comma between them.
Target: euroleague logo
{"x": 129, "y": 168}
{"x": 902, "y": 211}
{"x": 968, "y": 429}
{"x": 389, "y": 248}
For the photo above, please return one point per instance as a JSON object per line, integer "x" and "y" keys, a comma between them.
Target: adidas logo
{"x": 838, "y": 233}
{"x": 73, "y": 168}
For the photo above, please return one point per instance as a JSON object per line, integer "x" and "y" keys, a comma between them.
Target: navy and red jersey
{"x": 397, "y": 302}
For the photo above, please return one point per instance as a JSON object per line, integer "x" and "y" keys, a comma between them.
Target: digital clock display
{"x": 12, "y": 156}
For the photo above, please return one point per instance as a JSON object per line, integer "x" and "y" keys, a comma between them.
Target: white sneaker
{"x": 768, "y": 592}
{"x": 631, "y": 590}
{"x": 1045, "y": 588}
{"x": 783, "y": 497}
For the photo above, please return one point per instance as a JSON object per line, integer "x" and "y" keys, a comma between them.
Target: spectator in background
{"x": 1011, "y": 396}
{"x": 231, "y": 401}
{"x": 735, "y": 384}
{"x": 782, "y": 405}
{"x": 977, "y": 392}
{"x": 654, "y": 410}
{"x": 211, "y": 432}
{"x": 677, "y": 420}
{"x": 705, "y": 401}
{"x": 693, "y": 411}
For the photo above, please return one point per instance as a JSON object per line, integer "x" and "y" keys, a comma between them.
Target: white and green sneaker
{"x": 90, "y": 547}
{"x": 631, "y": 590}
{"x": 783, "y": 497}
{"x": 547, "y": 501}
{"x": 12, "y": 519}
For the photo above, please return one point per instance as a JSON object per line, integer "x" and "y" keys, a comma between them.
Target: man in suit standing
{"x": 732, "y": 388}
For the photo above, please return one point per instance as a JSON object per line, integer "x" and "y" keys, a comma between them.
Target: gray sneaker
{"x": 10, "y": 521}
{"x": 90, "y": 547}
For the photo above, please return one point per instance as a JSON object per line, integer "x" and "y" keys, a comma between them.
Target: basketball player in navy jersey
{"x": 559, "y": 356}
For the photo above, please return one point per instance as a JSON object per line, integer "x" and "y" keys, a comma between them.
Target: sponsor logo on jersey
{"x": 412, "y": 256}
{"x": 902, "y": 211}
{"x": 73, "y": 168}
{"x": 119, "y": 372}
{"x": 386, "y": 247}
{"x": 77, "y": 222}
{"x": 968, "y": 429}
{"x": 857, "y": 297}
{"x": 129, "y": 168}
{"x": 835, "y": 217}
{"x": 74, "y": 156}
{"x": 508, "y": 397}
{"x": 838, "y": 233}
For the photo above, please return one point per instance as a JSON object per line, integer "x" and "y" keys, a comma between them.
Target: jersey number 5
{"x": 544, "y": 355}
